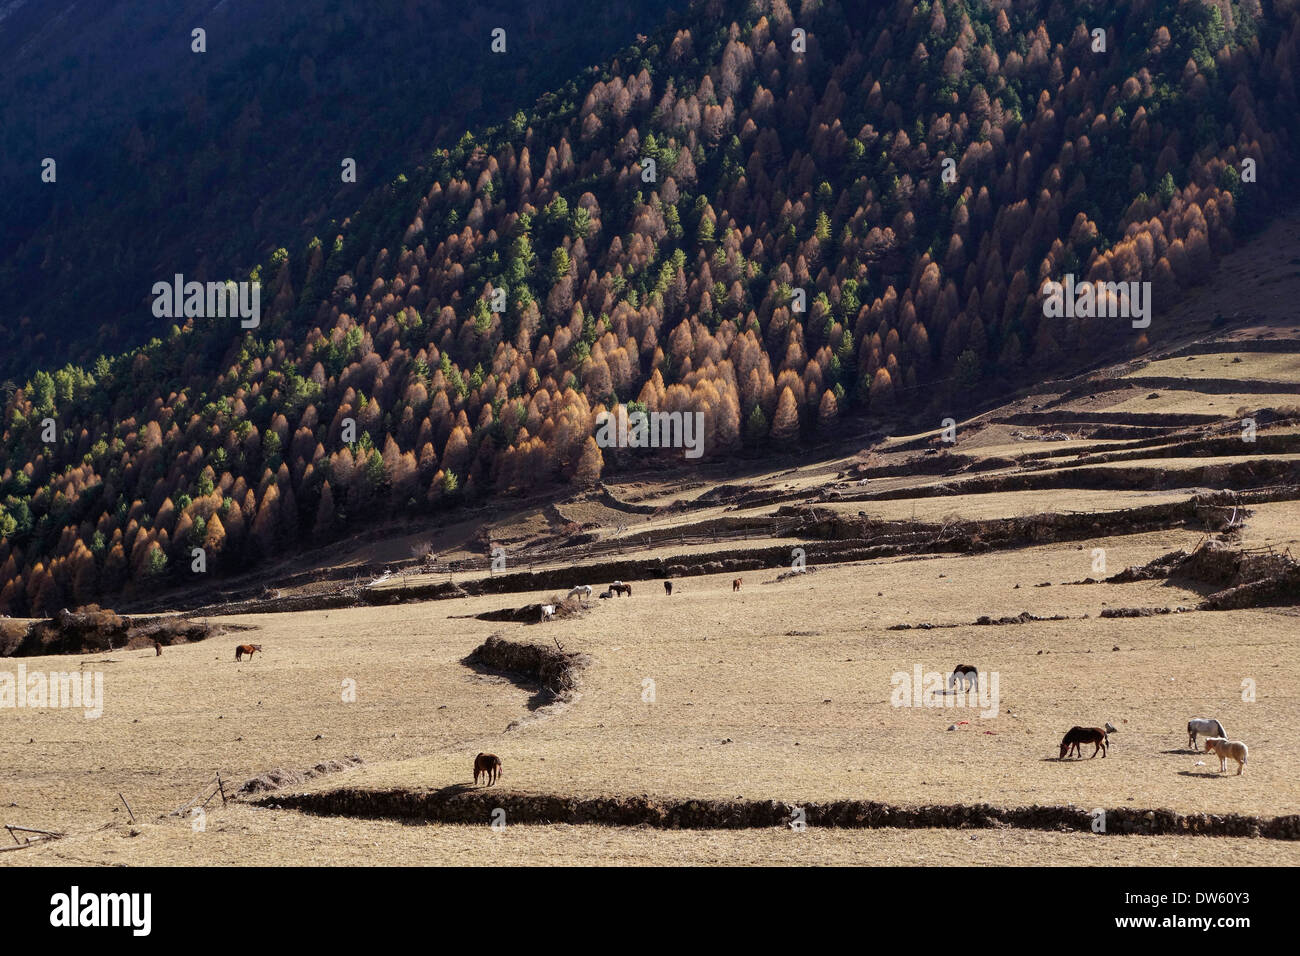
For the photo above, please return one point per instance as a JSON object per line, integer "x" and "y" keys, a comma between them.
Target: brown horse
{"x": 735, "y": 585}
{"x": 489, "y": 765}
{"x": 621, "y": 589}
{"x": 246, "y": 650}
{"x": 668, "y": 588}
{"x": 157, "y": 648}
{"x": 1086, "y": 735}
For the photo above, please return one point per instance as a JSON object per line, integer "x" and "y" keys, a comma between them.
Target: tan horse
{"x": 1224, "y": 748}
{"x": 489, "y": 765}
{"x": 246, "y": 650}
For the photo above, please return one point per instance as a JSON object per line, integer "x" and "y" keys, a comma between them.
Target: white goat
{"x": 1224, "y": 748}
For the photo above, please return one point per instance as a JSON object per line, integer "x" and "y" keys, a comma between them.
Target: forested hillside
{"x": 204, "y": 163}
{"x": 794, "y": 152}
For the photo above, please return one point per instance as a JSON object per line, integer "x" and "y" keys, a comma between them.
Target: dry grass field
{"x": 779, "y": 691}
{"x": 243, "y": 836}
{"x": 785, "y": 690}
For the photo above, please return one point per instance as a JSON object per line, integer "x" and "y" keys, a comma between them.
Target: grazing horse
{"x": 1224, "y": 748}
{"x": 246, "y": 650}
{"x": 1203, "y": 725}
{"x": 735, "y": 585}
{"x": 966, "y": 675}
{"x": 668, "y": 588}
{"x": 582, "y": 590}
{"x": 1086, "y": 735}
{"x": 157, "y": 649}
{"x": 548, "y": 611}
{"x": 489, "y": 765}
{"x": 619, "y": 588}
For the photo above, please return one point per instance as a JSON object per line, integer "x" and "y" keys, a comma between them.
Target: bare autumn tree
{"x": 785, "y": 424}
{"x": 882, "y": 391}
{"x": 828, "y": 413}
{"x": 267, "y": 523}
{"x": 589, "y": 466}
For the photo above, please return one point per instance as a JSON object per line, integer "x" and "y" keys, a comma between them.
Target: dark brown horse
{"x": 735, "y": 585}
{"x": 1076, "y": 736}
{"x": 489, "y": 765}
{"x": 668, "y": 588}
{"x": 157, "y": 648}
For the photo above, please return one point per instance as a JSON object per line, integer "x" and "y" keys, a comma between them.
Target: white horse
{"x": 1203, "y": 725}
{"x": 581, "y": 591}
{"x": 548, "y": 611}
{"x": 966, "y": 675}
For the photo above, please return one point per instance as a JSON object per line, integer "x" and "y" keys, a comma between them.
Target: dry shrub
{"x": 12, "y": 635}
{"x": 569, "y": 606}
{"x": 90, "y": 628}
{"x": 168, "y": 631}
{"x": 279, "y": 777}
{"x": 802, "y": 572}
{"x": 556, "y": 670}
{"x": 1245, "y": 579}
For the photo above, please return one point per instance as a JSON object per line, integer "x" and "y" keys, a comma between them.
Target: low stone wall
{"x": 468, "y": 805}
